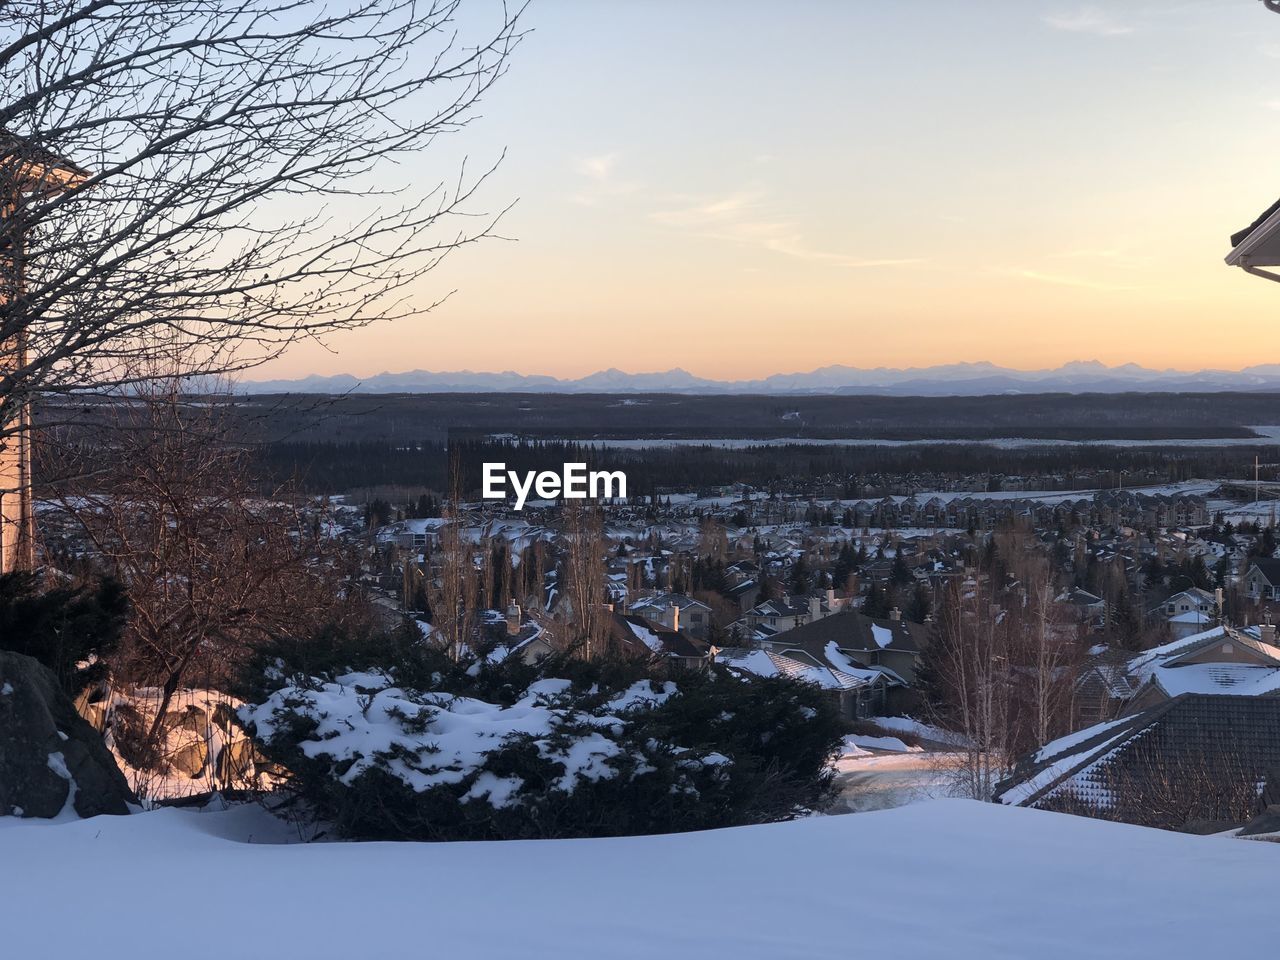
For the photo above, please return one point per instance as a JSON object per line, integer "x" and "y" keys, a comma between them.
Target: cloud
{"x": 1088, "y": 20}
{"x": 1063, "y": 281}
{"x": 1121, "y": 256}
{"x": 701, "y": 213}
{"x": 598, "y": 168}
{"x": 737, "y": 218}
{"x": 600, "y": 172}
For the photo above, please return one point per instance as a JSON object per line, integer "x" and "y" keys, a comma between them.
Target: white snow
{"x": 949, "y": 879}
{"x": 429, "y": 740}
{"x": 881, "y": 743}
{"x": 921, "y": 729}
{"x": 883, "y": 636}
{"x": 1063, "y": 744}
{"x": 850, "y": 748}
{"x": 58, "y": 764}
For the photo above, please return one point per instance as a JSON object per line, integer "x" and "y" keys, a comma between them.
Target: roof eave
{"x": 1239, "y": 255}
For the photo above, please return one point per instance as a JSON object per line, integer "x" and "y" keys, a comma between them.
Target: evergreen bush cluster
{"x": 369, "y": 728}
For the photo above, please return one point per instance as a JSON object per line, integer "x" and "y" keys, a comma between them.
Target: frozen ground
{"x": 947, "y": 879}
{"x": 881, "y": 781}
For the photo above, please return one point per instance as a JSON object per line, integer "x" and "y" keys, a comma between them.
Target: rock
{"x": 190, "y": 718}
{"x": 190, "y": 759}
{"x": 236, "y": 762}
{"x": 224, "y": 715}
{"x": 47, "y": 748}
{"x": 93, "y": 707}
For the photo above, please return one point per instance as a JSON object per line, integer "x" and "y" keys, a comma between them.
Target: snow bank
{"x": 881, "y": 743}
{"x": 850, "y": 748}
{"x": 919, "y": 728}
{"x": 953, "y": 879}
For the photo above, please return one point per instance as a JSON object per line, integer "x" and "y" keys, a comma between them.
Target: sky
{"x": 742, "y": 188}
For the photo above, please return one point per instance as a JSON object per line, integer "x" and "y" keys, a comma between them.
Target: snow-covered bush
{"x": 483, "y": 754}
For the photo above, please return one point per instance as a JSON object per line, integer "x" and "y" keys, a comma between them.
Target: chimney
{"x": 895, "y": 614}
{"x": 513, "y": 619}
{"x": 815, "y": 609}
{"x": 1268, "y": 631}
{"x": 673, "y": 616}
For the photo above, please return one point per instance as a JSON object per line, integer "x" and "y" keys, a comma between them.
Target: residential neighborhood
{"x": 556, "y": 480}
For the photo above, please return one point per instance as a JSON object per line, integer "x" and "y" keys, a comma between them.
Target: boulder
{"x": 190, "y": 759}
{"x": 190, "y": 718}
{"x": 224, "y": 715}
{"x": 49, "y": 754}
{"x": 236, "y": 762}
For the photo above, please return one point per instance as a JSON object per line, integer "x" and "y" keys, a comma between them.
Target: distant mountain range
{"x": 954, "y": 379}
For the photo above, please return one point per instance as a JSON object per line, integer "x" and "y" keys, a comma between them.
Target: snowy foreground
{"x": 946, "y": 878}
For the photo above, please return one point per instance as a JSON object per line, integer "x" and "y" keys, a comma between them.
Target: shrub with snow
{"x": 602, "y": 752}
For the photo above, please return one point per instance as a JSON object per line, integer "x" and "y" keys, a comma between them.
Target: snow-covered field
{"x": 948, "y": 879}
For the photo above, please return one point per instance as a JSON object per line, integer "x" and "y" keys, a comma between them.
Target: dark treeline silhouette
{"x": 325, "y": 467}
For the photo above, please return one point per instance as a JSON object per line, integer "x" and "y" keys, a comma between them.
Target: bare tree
{"x": 969, "y": 657}
{"x": 212, "y": 568}
{"x": 226, "y": 175}
{"x": 1047, "y": 655}
{"x": 453, "y": 589}
{"x": 584, "y": 621}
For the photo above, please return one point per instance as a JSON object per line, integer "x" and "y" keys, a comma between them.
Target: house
{"x": 1195, "y": 761}
{"x": 1187, "y": 601}
{"x": 858, "y": 693}
{"x": 745, "y": 594}
{"x": 772, "y": 617}
{"x": 28, "y": 170}
{"x": 1086, "y": 605}
{"x": 414, "y": 534}
{"x": 519, "y": 637}
{"x": 1221, "y": 660}
{"x": 892, "y": 643}
{"x": 1103, "y": 688}
{"x": 1262, "y": 579}
{"x": 851, "y": 641}
{"x": 1189, "y": 612}
{"x": 643, "y": 638}
{"x": 676, "y": 612}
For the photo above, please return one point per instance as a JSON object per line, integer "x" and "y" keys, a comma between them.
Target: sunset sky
{"x": 743, "y": 188}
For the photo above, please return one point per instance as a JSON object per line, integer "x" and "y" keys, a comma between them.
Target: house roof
{"x": 1259, "y": 243}
{"x": 803, "y": 665}
{"x": 1269, "y": 567}
{"x": 664, "y": 601}
{"x": 852, "y": 630}
{"x": 1187, "y": 732}
{"x": 639, "y": 634}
